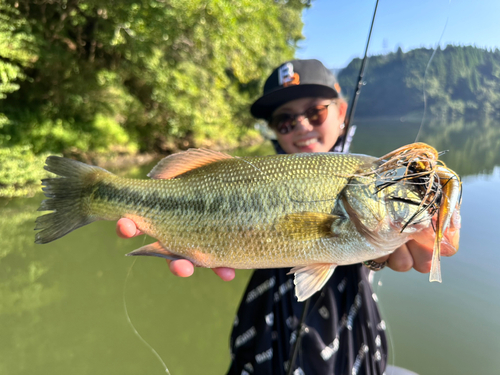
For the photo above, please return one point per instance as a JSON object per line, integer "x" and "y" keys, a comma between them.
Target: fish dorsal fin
{"x": 309, "y": 279}
{"x": 182, "y": 162}
{"x": 307, "y": 226}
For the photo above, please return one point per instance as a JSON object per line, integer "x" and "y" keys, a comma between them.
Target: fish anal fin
{"x": 307, "y": 225}
{"x": 311, "y": 278}
{"x": 185, "y": 161}
{"x": 155, "y": 249}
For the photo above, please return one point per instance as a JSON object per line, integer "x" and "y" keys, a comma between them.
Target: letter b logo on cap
{"x": 286, "y": 75}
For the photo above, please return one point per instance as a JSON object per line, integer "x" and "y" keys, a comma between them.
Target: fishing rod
{"x": 302, "y": 326}
{"x": 357, "y": 90}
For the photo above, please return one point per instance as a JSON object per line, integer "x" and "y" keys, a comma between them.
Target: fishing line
{"x": 427, "y": 68}
{"x": 132, "y": 325}
{"x": 357, "y": 89}
{"x": 379, "y": 283}
{"x": 390, "y": 342}
{"x": 246, "y": 161}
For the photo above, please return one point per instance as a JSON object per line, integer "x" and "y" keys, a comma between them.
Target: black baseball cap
{"x": 292, "y": 80}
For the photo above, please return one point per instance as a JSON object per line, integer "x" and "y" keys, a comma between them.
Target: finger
{"x": 181, "y": 267}
{"x": 425, "y": 238}
{"x": 422, "y": 257}
{"x": 401, "y": 259}
{"x": 125, "y": 228}
{"x": 226, "y": 274}
{"x": 381, "y": 259}
{"x": 451, "y": 239}
{"x": 449, "y": 243}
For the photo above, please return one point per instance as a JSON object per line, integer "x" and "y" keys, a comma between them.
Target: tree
{"x": 139, "y": 73}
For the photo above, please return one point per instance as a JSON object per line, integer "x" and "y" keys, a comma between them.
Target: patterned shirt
{"x": 343, "y": 333}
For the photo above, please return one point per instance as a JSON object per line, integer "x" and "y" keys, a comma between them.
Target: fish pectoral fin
{"x": 309, "y": 279}
{"x": 307, "y": 225}
{"x": 155, "y": 249}
{"x": 182, "y": 162}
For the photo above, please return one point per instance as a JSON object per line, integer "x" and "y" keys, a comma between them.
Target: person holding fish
{"x": 343, "y": 332}
{"x": 334, "y": 217}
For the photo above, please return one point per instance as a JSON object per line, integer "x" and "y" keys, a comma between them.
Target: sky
{"x": 337, "y": 31}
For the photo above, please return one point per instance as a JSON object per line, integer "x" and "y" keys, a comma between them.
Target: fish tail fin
{"x": 69, "y": 196}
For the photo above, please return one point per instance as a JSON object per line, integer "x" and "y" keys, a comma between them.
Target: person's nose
{"x": 303, "y": 125}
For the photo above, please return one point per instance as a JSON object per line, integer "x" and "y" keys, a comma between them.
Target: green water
{"x": 62, "y": 304}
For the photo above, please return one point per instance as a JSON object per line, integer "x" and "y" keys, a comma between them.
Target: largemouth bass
{"x": 307, "y": 211}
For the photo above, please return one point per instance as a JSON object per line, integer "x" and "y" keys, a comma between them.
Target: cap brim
{"x": 267, "y": 104}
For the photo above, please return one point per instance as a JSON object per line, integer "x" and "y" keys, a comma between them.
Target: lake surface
{"x": 62, "y": 305}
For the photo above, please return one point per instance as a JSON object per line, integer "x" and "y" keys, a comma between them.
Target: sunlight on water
{"x": 61, "y": 304}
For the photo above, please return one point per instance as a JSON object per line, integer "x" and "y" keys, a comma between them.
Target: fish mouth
{"x": 427, "y": 199}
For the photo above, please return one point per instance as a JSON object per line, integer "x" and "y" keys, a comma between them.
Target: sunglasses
{"x": 285, "y": 123}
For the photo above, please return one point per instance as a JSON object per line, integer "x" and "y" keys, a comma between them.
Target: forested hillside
{"x": 460, "y": 81}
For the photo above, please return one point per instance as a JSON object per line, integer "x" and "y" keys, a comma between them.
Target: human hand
{"x": 409, "y": 255}
{"x": 126, "y": 228}
{"x": 417, "y": 253}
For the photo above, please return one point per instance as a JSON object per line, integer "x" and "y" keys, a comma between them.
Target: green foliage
{"x": 16, "y": 49}
{"x": 158, "y": 75}
{"x": 21, "y": 171}
{"x": 460, "y": 81}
